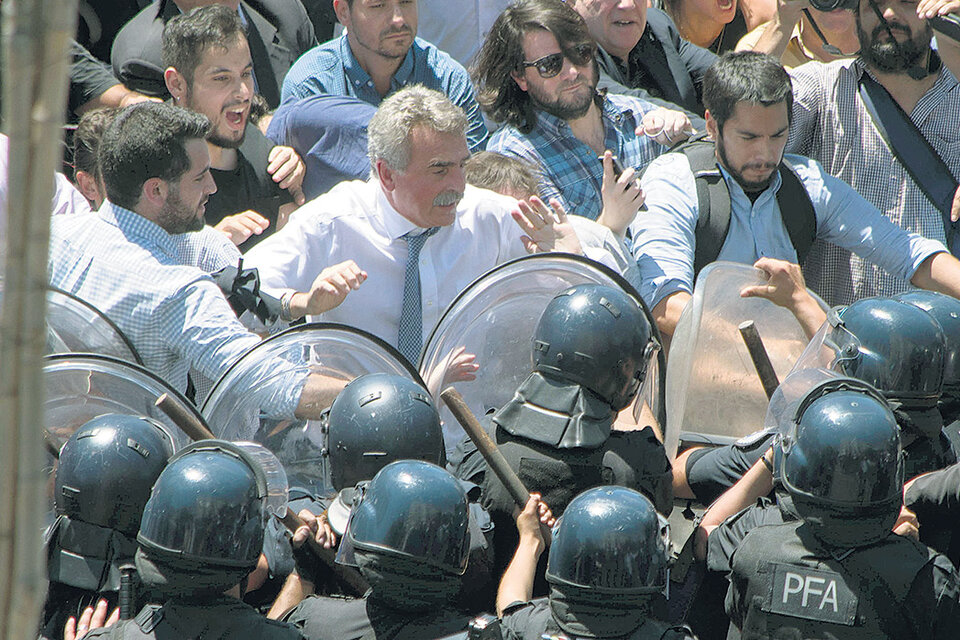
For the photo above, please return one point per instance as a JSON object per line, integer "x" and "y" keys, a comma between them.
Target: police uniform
{"x": 784, "y": 581}
{"x": 222, "y": 619}
{"x": 534, "y": 620}
{"x": 83, "y": 565}
{"x": 711, "y": 471}
{"x": 634, "y": 459}
{"x": 342, "y": 618}
{"x": 935, "y": 498}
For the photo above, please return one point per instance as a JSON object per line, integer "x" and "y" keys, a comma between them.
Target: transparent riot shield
{"x": 76, "y": 326}
{"x": 81, "y": 387}
{"x": 82, "y": 328}
{"x": 239, "y": 405}
{"x": 494, "y": 319}
{"x": 714, "y": 395}
{"x": 786, "y": 399}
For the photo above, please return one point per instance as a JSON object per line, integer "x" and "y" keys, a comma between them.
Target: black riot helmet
{"x": 610, "y": 540}
{"x": 840, "y": 459}
{"x": 893, "y": 346}
{"x": 598, "y": 337}
{"x": 377, "y": 419}
{"x": 946, "y": 311}
{"x": 106, "y": 470}
{"x": 411, "y": 510}
{"x": 208, "y": 508}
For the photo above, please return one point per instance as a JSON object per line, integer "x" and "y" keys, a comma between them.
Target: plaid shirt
{"x": 332, "y": 68}
{"x": 142, "y": 278}
{"x": 831, "y": 125}
{"x": 569, "y": 169}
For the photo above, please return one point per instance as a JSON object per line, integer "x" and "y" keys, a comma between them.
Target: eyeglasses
{"x": 549, "y": 66}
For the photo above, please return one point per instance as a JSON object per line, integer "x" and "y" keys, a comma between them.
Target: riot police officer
{"x": 607, "y": 565}
{"x": 102, "y": 482}
{"x": 200, "y": 537}
{"x": 377, "y": 419}
{"x": 591, "y": 350}
{"x": 408, "y": 535}
{"x": 946, "y": 311}
{"x": 881, "y": 341}
{"x": 839, "y": 571}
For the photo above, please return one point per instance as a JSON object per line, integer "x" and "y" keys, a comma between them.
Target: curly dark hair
{"x": 502, "y": 55}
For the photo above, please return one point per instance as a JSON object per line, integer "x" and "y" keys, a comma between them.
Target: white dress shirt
{"x": 354, "y": 221}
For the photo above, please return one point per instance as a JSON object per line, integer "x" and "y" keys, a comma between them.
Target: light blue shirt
{"x": 332, "y": 68}
{"x": 155, "y": 287}
{"x": 664, "y": 235}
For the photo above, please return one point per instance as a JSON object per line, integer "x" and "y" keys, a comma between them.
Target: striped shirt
{"x": 831, "y": 125}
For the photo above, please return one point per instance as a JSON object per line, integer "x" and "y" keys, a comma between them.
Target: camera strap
{"x": 911, "y": 149}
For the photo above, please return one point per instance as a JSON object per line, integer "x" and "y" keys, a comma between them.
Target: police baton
{"x": 758, "y": 353}
{"x": 488, "y": 449}
{"x": 194, "y": 428}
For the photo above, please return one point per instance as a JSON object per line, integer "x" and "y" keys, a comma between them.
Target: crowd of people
{"x": 240, "y": 167}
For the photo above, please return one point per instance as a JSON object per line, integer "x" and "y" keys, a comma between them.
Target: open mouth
{"x": 235, "y": 117}
{"x": 726, "y": 5}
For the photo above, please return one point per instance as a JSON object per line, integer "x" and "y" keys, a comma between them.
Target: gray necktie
{"x": 410, "y": 335}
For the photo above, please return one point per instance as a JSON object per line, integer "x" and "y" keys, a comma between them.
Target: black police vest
{"x": 339, "y": 618}
{"x": 784, "y": 581}
{"x": 87, "y": 556}
{"x": 634, "y": 459}
{"x": 540, "y": 624}
{"x": 223, "y": 620}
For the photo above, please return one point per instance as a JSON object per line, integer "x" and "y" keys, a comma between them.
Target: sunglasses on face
{"x": 549, "y": 66}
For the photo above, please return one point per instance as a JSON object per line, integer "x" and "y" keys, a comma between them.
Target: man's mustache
{"x": 447, "y": 198}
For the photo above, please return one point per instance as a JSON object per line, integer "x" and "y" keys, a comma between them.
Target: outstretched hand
{"x": 622, "y": 197}
{"x": 91, "y": 618}
{"x": 546, "y": 229}
{"x": 328, "y": 290}
{"x": 241, "y": 226}
{"x": 785, "y": 287}
{"x": 666, "y": 126}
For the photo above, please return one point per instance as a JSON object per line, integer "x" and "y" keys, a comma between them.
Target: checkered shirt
{"x": 174, "y": 314}
{"x": 831, "y": 125}
{"x": 569, "y": 169}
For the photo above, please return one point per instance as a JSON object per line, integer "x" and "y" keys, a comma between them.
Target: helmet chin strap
{"x": 916, "y": 71}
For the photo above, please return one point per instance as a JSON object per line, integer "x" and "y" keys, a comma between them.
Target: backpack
{"x": 713, "y": 203}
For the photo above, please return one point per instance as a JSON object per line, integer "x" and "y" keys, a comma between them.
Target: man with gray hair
{"x": 415, "y": 227}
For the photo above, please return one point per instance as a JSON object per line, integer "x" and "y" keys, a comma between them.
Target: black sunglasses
{"x": 549, "y": 66}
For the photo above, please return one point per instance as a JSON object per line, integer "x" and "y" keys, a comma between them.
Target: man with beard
{"x": 140, "y": 259}
{"x": 415, "y": 226}
{"x": 378, "y": 54}
{"x": 832, "y": 124}
{"x": 278, "y": 31}
{"x": 748, "y": 99}
{"x": 536, "y": 73}
{"x": 209, "y": 70}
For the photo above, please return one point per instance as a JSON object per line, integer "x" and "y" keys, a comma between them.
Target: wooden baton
{"x": 488, "y": 449}
{"x": 758, "y": 353}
